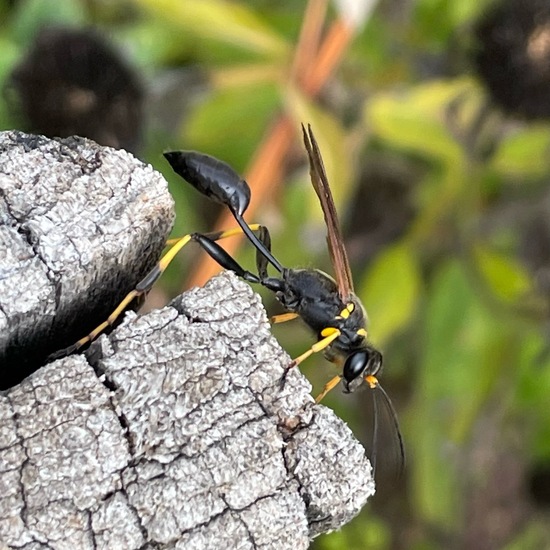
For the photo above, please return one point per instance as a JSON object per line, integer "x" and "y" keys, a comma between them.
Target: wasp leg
{"x": 217, "y": 253}
{"x": 141, "y": 288}
{"x": 218, "y": 235}
{"x": 261, "y": 260}
{"x": 145, "y": 285}
{"x": 320, "y": 345}
{"x": 283, "y": 318}
{"x": 171, "y": 242}
{"x": 331, "y": 384}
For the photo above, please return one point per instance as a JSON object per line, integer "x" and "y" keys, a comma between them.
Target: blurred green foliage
{"x": 456, "y": 295}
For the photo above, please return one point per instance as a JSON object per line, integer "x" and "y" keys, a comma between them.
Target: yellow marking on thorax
{"x": 362, "y": 332}
{"x": 346, "y": 312}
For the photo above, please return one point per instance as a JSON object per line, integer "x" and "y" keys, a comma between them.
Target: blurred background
{"x": 433, "y": 120}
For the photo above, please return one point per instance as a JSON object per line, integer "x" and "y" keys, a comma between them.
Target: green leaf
{"x": 415, "y": 119}
{"x": 524, "y": 153}
{"x": 230, "y": 22}
{"x": 390, "y": 291}
{"x": 532, "y": 383}
{"x": 10, "y": 53}
{"x": 507, "y": 279}
{"x": 466, "y": 349}
{"x": 533, "y": 536}
{"x": 231, "y": 122}
{"x": 152, "y": 44}
{"x": 31, "y": 15}
{"x": 366, "y": 531}
{"x": 436, "y": 21}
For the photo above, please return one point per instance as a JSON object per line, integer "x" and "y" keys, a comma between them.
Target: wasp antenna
{"x": 375, "y": 435}
{"x": 398, "y": 438}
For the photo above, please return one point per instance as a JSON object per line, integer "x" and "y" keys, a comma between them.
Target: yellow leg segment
{"x": 146, "y": 284}
{"x": 216, "y": 235}
{"x": 110, "y": 320}
{"x": 171, "y": 254}
{"x": 283, "y": 318}
{"x": 318, "y": 346}
{"x": 331, "y": 384}
{"x": 142, "y": 288}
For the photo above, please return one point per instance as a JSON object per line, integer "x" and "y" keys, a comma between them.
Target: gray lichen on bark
{"x": 174, "y": 431}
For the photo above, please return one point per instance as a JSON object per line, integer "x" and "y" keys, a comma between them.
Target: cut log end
{"x": 80, "y": 224}
{"x": 174, "y": 430}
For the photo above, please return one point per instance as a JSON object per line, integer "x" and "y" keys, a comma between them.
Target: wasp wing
{"x": 336, "y": 248}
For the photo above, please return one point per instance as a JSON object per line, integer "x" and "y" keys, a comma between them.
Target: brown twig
{"x": 309, "y": 40}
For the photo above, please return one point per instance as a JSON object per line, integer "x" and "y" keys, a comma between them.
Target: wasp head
{"x": 359, "y": 365}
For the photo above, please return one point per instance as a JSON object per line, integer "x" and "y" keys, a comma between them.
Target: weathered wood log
{"x": 80, "y": 224}
{"x": 174, "y": 431}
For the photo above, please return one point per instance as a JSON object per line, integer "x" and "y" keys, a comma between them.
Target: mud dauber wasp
{"x": 329, "y": 307}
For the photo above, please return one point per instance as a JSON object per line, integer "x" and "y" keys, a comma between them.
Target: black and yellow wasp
{"x": 328, "y": 306}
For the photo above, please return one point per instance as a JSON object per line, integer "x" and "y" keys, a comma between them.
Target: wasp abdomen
{"x": 212, "y": 177}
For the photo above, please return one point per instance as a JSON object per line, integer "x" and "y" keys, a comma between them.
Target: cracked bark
{"x": 80, "y": 224}
{"x": 174, "y": 432}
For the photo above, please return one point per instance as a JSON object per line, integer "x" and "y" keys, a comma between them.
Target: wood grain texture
{"x": 174, "y": 430}
{"x": 80, "y": 225}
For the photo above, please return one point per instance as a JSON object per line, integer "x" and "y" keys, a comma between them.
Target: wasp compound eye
{"x": 358, "y": 365}
{"x": 354, "y": 367}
